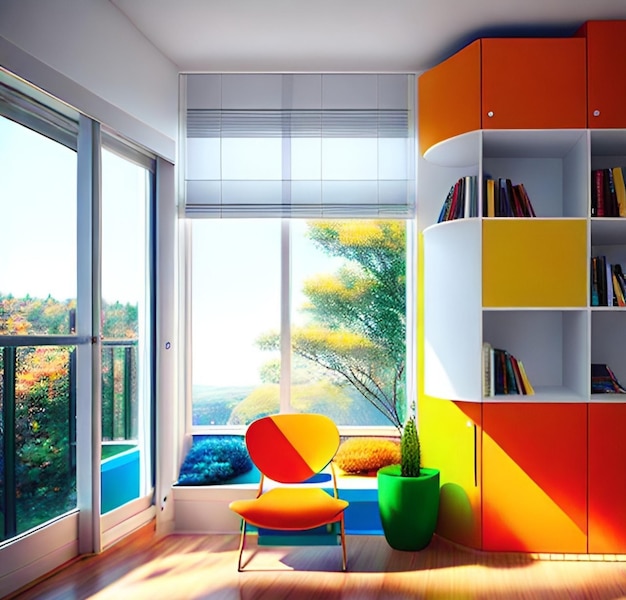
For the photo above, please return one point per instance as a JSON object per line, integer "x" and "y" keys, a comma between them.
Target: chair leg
{"x": 344, "y": 560}
{"x": 242, "y": 541}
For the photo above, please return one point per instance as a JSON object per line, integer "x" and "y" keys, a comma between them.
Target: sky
{"x": 236, "y": 300}
{"x": 38, "y": 219}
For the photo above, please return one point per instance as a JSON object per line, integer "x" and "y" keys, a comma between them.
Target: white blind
{"x": 299, "y": 145}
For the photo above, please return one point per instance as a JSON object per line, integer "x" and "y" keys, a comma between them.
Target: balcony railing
{"x": 38, "y": 423}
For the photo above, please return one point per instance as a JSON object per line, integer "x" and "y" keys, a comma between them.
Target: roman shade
{"x": 298, "y": 145}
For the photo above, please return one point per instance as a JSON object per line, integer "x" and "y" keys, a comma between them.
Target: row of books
{"x": 461, "y": 201}
{"x": 503, "y": 373}
{"x": 608, "y": 193}
{"x": 608, "y": 284}
{"x": 505, "y": 199}
{"x": 502, "y": 198}
{"x": 603, "y": 380}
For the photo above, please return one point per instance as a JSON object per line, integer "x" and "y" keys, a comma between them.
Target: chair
{"x": 290, "y": 449}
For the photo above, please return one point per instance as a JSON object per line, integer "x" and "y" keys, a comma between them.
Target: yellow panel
{"x": 534, "y": 262}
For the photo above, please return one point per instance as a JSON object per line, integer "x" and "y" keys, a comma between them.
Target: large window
{"x": 301, "y": 316}
{"x": 299, "y": 188}
{"x": 76, "y": 318}
{"x": 37, "y": 299}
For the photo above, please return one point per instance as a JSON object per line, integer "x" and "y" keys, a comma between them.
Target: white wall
{"x": 115, "y": 74}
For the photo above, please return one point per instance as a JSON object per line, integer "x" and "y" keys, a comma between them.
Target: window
{"x": 127, "y": 325}
{"x": 65, "y": 239}
{"x": 299, "y": 188}
{"x": 326, "y": 336}
{"x": 37, "y": 298}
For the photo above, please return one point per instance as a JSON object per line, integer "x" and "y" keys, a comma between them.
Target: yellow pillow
{"x": 367, "y": 455}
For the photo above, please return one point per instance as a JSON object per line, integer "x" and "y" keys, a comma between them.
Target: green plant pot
{"x": 408, "y": 507}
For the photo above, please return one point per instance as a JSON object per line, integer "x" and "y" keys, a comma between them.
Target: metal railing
{"x": 21, "y": 440}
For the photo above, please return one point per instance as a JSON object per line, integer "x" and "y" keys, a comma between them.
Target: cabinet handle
{"x": 490, "y": 114}
{"x": 596, "y": 113}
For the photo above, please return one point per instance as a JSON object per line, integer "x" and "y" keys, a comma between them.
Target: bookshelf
{"x": 484, "y": 281}
{"x": 523, "y": 284}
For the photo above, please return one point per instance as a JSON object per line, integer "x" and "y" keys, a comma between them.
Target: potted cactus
{"x": 408, "y": 496}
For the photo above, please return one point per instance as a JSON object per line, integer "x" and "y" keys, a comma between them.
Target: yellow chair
{"x": 290, "y": 449}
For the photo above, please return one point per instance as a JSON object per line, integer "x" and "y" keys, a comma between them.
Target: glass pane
{"x": 348, "y": 293}
{"x": 126, "y": 362}
{"x": 37, "y": 389}
{"x": 38, "y": 232}
{"x": 235, "y": 305}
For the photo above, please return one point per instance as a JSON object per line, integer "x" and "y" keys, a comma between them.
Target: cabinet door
{"x": 535, "y": 477}
{"x": 533, "y": 83}
{"x": 449, "y": 97}
{"x": 450, "y": 437}
{"x": 606, "y": 64}
{"x": 607, "y": 484}
{"x": 532, "y": 262}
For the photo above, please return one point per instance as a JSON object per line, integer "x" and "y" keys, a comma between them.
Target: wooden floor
{"x": 188, "y": 567}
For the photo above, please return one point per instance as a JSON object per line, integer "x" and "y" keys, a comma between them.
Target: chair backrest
{"x": 291, "y": 448}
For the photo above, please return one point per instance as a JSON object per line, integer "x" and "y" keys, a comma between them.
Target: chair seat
{"x": 290, "y": 509}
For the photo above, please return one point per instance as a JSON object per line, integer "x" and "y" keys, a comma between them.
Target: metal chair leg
{"x": 344, "y": 560}
{"x": 242, "y": 540}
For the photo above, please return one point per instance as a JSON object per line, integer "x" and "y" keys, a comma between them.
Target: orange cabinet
{"x": 449, "y": 97}
{"x": 535, "y": 477}
{"x": 504, "y": 83}
{"x": 607, "y": 484}
{"x": 606, "y": 64}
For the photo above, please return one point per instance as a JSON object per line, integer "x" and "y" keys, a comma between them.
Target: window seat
{"x": 204, "y": 508}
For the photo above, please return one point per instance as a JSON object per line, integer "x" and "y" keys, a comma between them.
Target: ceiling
{"x": 344, "y": 35}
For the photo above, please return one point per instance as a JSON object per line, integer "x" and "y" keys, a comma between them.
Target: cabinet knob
{"x": 490, "y": 114}
{"x": 596, "y": 113}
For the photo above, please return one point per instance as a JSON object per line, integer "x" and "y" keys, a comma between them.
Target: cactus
{"x": 410, "y": 450}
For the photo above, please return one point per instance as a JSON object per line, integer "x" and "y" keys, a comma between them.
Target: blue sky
{"x": 38, "y": 219}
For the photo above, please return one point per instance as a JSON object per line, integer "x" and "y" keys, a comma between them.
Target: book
{"x": 617, "y": 289}
{"x": 619, "y": 283}
{"x": 597, "y": 193}
{"x": 611, "y": 208}
{"x": 487, "y": 370}
{"x": 604, "y": 381}
{"x": 528, "y": 387}
{"x": 610, "y": 291}
{"x": 503, "y": 373}
{"x": 602, "y": 292}
{"x": 461, "y": 200}
{"x": 595, "y": 294}
{"x": 491, "y": 198}
{"x": 620, "y": 190}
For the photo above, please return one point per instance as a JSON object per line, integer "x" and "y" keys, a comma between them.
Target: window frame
{"x": 285, "y": 333}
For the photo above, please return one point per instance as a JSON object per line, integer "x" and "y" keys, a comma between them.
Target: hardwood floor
{"x": 183, "y": 566}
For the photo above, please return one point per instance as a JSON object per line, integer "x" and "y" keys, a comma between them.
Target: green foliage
{"x": 120, "y": 320}
{"x": 45, "y": 466}
{"x": 357, "y": 316}
{"x": 410, "y": 450}
{"x": 27, "y": 316}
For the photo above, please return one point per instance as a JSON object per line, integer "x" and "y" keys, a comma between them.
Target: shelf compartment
{"x": 550, "y": 344}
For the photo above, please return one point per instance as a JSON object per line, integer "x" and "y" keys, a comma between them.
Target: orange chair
{"x": 290, "y": 449}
